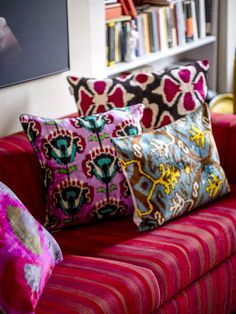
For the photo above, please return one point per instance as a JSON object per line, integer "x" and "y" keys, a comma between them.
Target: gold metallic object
{"x": 223, "y": 103}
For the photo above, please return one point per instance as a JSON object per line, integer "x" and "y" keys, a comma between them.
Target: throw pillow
{"x": 83, "y": 178}
{"x": 28, "y": 254}
{"x": 173, "y": 169}
{"x": 167, "y": 95}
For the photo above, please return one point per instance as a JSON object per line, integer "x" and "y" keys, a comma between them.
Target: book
{"x": 168, "y": 26}
{"x": 173, "y": 26}
{"x": 153, "y": 27}
{"x": 113, "y": 11}
{"x": 201, "y": 17}
{"x": 146, "y": 36}
{"x": 163, "y": 34}
{"x": 195, "y": 27}
{"x": 189, "y": 31}
{"x": 125, "y": 10}
{"x": 208, "y": 12}
{"x": 110, "y": 1}
{"x": 180, "y": 23}
{"x": 124, "y": 36}
{"x": 140, "y": 48}
{"x": 122, "y": 18}
{"x": 118, "y": 33}
{"x": 158, "y": 2}
{"x": 110, "y": 28}
{"x": 116, "y": 36}
{"x": 131, "y": 8}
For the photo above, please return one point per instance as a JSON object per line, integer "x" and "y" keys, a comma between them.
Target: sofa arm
{"x": 224, "y": 131}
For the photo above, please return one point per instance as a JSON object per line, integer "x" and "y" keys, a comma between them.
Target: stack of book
{"x": 161, "y": 24}
{"x": 169, "y": 24}
{"x": 118, "y": 16}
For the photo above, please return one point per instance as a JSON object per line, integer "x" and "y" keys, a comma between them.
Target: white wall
{"x": 227, "y": 45}
{"x": 49, "y": 96}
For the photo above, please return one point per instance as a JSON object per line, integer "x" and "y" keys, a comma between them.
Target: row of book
{"x": 159, "y": 27}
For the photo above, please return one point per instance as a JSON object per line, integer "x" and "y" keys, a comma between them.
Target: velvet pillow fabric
{"x": 167, "y": 95}
{"x": 82, "y": 176}
{"x": 173, "y": 169}
{"x": 28, "y": 254}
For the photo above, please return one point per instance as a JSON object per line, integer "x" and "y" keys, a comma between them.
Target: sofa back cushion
{"x": 20, "y": 171}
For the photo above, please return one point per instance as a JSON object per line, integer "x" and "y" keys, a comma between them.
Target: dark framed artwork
{"x": 33, "y": 39}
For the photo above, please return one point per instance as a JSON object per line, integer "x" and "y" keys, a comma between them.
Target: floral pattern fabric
{"x": 80, "y": 167}
{"x": 167, "y": 95}
{"x": 28, "y": 254}
{"x": 173, "y": 169}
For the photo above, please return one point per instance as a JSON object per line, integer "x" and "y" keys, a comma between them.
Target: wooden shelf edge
{"x": 153, "y": 57}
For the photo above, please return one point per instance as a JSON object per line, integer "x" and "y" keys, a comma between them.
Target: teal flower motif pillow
{"x": 28, "y": 254}
{"x": 173, "y": 169}
{"x": 82, "y": 176}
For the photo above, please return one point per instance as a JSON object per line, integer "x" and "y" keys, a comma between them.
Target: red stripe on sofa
{"x": 92, "y": 285}
{"x": 177, "y": 253}
{"x": 206, "y": 295}
{"x": 17, "y": 159}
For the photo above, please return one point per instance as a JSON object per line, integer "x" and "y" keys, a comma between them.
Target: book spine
{"x": 118, "y": 28}
{"x": 131, "y": 8}
{"x": 155, "y": 30}
{"x": 188, "y": 21}
{"x": 180, "y": 23}
{"x": 150, "y": 31}
{"x": 112, "y": 11}
{"x": 173, "y": 26}
{"x": 140, "y": 35}
{"x": 146, "y": 33}
{"x": 208, "y": 12}
{"x": 195, "y": 28}
{"x": 124, "y": 7}
{"x": 201, "y": 17}
{"x": 163, "y": 28}
{"x": 111, "y": 43}
{"x": 124, "y": 35}
{"x": 169, "y": 28}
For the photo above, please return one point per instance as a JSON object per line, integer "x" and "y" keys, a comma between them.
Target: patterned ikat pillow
{"x": 167, "y": 95}
{"x": 172, "y": 169}
{"x": 28, "y": 254}
{"x": 83, "y": 178}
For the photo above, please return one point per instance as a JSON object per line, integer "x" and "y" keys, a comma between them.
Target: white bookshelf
{"x": 154, "y": 57}
{"x": 92, "y": 42}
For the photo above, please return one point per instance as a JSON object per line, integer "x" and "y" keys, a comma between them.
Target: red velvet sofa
{"x": 186, "y": 266}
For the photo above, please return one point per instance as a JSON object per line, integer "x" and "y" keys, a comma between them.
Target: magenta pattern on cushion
{"x": 167, "y": 95}
{"x": 28, "y": 254}
{"x": 80, "y": 167}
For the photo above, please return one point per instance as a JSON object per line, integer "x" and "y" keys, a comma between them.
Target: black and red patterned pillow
{"x": 168, "y": 95}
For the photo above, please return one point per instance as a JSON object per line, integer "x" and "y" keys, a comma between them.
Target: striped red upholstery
{"x": 224, "y": 130}
{"x": 214, "y": 293}
{"x": 20, "y": 171}
{"x": 91, "y": 285}
{"x": 186, "y": 262}
{"x": 178, "y": 253}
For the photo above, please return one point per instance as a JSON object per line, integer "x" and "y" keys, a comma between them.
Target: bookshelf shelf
{"x": 153, "y": 57}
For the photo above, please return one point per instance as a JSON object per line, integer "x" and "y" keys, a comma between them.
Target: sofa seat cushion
{"x": 94, "y": 285}
{"x": 178, "y": 252}
{"x": 202, "y": 297}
